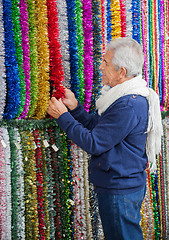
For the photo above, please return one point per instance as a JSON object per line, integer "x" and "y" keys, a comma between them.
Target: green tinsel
{"x": 25, "y": 124}
{"x": 80, "y": 44}
{"x": 155, "y": 211}
{"x": 46, "y": 153}
{"x": 67, "y": 183}
{"x": 14, "y": 199}
{"x": 97, "y": 52}
{"x": 33, "y": 56}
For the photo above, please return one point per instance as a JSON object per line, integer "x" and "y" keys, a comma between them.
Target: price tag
{"x": 55, "y": 148}
{"x": 3, "y": 143}
{"x": 17, "y": 145}
{"x": 45, "y": 142}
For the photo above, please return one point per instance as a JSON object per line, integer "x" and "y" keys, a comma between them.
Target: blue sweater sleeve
{"x": 113, "y": 126}
{"x": 89, "y": 121}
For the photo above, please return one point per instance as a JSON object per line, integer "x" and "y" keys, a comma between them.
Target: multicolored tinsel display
{"x": 46, "y": 46}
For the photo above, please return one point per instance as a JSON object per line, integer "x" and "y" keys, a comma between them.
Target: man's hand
{"x": 69, "y": 99}
{"x": 56, "y": 108}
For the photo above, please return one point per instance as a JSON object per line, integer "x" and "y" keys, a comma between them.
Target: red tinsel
{"x": 39, "y": 180}
{"x": 123, "y": 18}
{"x": 56, "y": 67}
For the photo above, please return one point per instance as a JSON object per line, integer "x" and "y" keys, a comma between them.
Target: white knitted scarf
{"x": 138, "y": 86}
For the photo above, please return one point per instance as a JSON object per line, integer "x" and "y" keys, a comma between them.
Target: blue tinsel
{"x": 109, "y": 24}
{"x": 73, "y": 48}
{"x": 12, "y": 73}
{"x": 136, "y": 20}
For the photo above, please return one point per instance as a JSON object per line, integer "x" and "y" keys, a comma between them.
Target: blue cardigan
{"x": 116, "y": 141}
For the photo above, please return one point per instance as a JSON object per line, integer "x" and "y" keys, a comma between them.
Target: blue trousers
{"x": 120, "y": 215}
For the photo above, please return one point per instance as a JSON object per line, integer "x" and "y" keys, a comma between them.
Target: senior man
{"x": 121, "y": 137}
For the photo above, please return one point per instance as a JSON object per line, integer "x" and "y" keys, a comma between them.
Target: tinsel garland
{"x": 150, "y": 44}
{"x": 97, "y": 231}
{"x": 163, "y": 184}
{"x": 82, "y": 195}
{"x": 30, "y": 187}
{"x": 2, "y": 189}
{"x": 57, "y": 204}
{"x": 5, "y": 138}
{"x": 155, "y": 206}
{"x": 123, "y": 18}
{"x": 64, "y": 36}
{"x": 103, "y": 23}
{"x": 136, "y": 20}
{"x": 155, "y": 42}
{"x": 77, "y": 178}
{"x": 14, "y": 186}
{"x": 167, "y": 47}
{"x": 162, "y": 55}
{"x": 33, "y": 57}
{"x": 86, "y": 196}
{"x": 2, "y": 65}
{"x": 68, "y": 198}
{"x": 88, "y": 52}
{"x": 56, "y": 68}
{"x": 73, "y": 48}
{"x": 109, "y": 20}
{"x": 115, "y": 19}
{"x": 97, "y": 52}
{"x": 19, "y": 51}
{"x": 70, "y": 176}
{"x": 12, "y": 73}
{"x": 147, "y": 218}
{"x": 20, "y": 187}
{"x": 39, "y": 182}
{"x": 26, "y": 58}
{"x": 43, "y": 59}
{"x": 80, "y": 50}
{"x": 166, "y": 53}
{"x": 129, "y": 26}
{"x": 45, "y": 184}
{"x": 144, "y": 37}
{"x": 50, "y": 182}
{"x": 160, "y": 79}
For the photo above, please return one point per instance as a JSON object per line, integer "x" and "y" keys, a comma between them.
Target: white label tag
{"x": 17, "y": 145}
{"x": 3, "y": 143}
{"x": 35, "y": 146}
{"x": 55, "y": 148}
{"x": 45, "y": 142}
{"x": 71, "y": 202}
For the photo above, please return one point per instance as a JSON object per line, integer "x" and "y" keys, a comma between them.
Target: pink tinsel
{"x": 26, "y": 58}
{"x": 88, "y": 51}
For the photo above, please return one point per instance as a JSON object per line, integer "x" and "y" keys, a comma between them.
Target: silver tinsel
{"x": 2, "y": 64}
{"x": 64, "y": 35}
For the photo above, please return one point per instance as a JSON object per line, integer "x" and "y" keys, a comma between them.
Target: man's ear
{"x": 123, "y": 72}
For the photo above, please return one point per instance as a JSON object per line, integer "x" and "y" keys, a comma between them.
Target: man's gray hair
{"x": 127, "y": 53}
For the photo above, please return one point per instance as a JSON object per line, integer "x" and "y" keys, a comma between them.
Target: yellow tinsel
{"x": 115, "y": 19}
{"x": 29, "y": 161}
{"x": 43, "y": 59}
